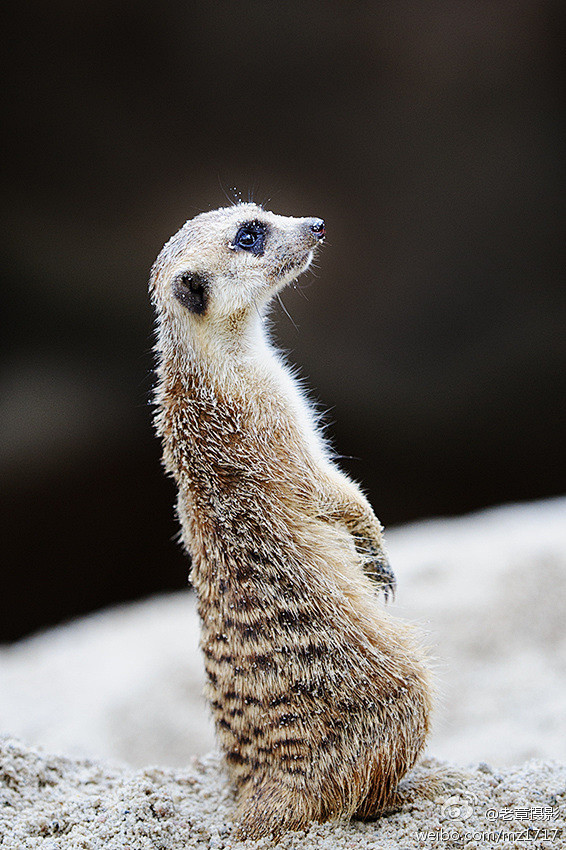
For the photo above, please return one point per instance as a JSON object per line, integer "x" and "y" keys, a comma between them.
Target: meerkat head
{"x": 225, "y": 265}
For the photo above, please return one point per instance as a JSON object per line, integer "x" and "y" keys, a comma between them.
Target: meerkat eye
{"x": 251, "y": 237}
{"x": 246, "y": 238}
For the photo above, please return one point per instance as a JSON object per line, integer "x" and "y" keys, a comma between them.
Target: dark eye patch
{"x": 251, "y": 237}
{"x": 191, "y": 289}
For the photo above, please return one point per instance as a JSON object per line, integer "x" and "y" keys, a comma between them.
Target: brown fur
{"x": 321, "y": 699}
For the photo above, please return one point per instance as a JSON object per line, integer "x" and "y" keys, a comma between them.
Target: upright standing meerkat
{"x": 321, "y": 699}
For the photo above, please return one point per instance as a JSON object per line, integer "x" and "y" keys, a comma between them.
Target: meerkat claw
{"x": 380, "y": 572}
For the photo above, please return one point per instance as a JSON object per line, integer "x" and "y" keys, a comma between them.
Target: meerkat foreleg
{"x": 346, "y": 504}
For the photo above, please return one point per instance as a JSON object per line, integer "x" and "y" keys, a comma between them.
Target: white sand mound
{"x": 123, "y": 684}
{"x": 53, "y": 803}
{"x": 490, "y": 590}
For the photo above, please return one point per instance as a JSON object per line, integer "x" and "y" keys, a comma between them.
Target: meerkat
{"x": 321, "y": 699}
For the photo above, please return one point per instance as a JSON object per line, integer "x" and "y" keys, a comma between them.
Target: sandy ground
{"x": 122, "y": 688}
{"x": 53, "y": 803}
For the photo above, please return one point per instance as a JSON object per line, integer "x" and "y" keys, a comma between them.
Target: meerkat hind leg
{"x": 273, "y": 807}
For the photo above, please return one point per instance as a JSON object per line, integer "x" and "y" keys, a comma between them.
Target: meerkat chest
{"x": 249, "y": 431}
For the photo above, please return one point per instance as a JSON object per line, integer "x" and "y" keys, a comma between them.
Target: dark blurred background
{"x": 429, "y": 135}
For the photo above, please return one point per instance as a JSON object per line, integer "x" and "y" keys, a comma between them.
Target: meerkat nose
{"x": 318, "y": 228}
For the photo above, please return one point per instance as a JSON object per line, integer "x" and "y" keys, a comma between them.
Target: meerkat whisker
{"x": 287, "y": 312}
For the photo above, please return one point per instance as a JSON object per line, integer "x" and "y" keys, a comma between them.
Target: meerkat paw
{"x": 377, "y": 568}
{"x": 271, "y": 809}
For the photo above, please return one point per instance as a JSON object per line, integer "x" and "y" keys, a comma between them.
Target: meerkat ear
{"x": 191, "y": 289}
